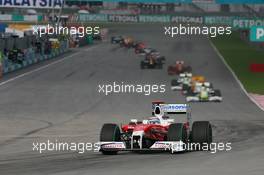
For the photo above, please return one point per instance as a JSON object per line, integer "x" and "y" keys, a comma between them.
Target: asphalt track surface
{"x": 61, "y": 101}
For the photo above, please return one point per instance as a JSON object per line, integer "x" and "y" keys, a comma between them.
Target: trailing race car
{"x": 116, "y": 39}
{"x": 152, "y": 62}
{"x": 192, "y": 84}
{"x": 139, "y": 47}
{"x": 146, "y": 51}
{"x": 178, "y": 67}
{"x": 203, "y": 92}
{"x": 182, "y": 81}
{"x": 158, "y": 132}
{"x": 127, "y": 42}
{"x": 186, "y": 82}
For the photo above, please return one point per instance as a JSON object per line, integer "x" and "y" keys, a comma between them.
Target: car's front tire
{"x": 110, "y": 132}
{"x": 177, "y": 132}
{"x": 202, "y": 133}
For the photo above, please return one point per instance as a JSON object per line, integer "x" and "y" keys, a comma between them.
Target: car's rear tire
{"x": 217, "y": 93}
{"x": 110, "y": 132}
{"x": 177, "y": 132}
{"x": 188, "y": 69}
{"x": 142, "y": 65}
{"x": 186, "y": 88}
{"x": 202, "y": 133}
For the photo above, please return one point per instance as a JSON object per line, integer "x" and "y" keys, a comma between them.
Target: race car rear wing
{"x": 173, "y": 109}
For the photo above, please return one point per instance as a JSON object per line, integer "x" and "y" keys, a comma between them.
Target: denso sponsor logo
{"x": 161, "y": 145}
{"x": 113, "y": 145}
{"x": 174, "y": 107}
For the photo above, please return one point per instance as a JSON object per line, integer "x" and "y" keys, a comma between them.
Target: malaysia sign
{"x": 31, "y": 3}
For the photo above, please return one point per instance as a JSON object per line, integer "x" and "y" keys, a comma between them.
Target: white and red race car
{"x": 159, "y": 132}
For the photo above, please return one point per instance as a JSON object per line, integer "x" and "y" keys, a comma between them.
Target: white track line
{"x": 41, "y": 68}
{"x": 234, "y": 75}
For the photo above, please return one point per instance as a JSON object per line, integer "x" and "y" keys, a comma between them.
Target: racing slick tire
{"x": 188, "y": 69}
{"x": 217, "y": 93}
{"x": 177, "y": 132}
{"x": 174, "y": 82}
{"x": 160, "y": 65}
{"x": 201, "y": 133}
{"x": 186, "y": 88}
{"x": 110, "y": 132}
{"x": 142, "y": 65}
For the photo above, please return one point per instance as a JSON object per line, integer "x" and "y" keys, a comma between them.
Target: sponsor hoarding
{"x": 123, "y": 18}
{"x": 93, "y": 17}
{"x": 246, "y": 23}
{"x": 219, "y": 20}
{"x": 257, "y": 33}
{"x": 31, "y": 3}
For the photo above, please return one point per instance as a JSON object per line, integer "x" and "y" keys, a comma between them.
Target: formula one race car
{"x": 127, "y": 42}
{"x": 186, "y": 81}
{"x": 158, "y": 132}
{"x": 139, "y": 47}
{"x": 183, "y": 80}
{"x": 116, "y": 39}
{"x": 203, "y": 92}
{"x": 178, "y": 67}
{"x": 146, "y": 51}
{"x": 152, "y": 62}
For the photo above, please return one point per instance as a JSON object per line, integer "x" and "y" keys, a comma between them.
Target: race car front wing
{"x": 172, "y": 146}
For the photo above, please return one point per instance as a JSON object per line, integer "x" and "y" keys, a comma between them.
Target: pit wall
{"x": 31, "y": 57}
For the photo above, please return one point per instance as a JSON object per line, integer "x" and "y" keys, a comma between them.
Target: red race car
{"x": 158, "y": 132}
{"x": 139, "y": 47}
{"x": 178, "y": 67}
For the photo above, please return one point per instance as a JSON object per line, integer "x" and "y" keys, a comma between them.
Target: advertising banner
{"x": 257, "y": 68}
{"x": 123, "y": 18}
{"x": 257, "y": 33}
{"x": 247, "y": 23}
{"x": 31, "y": 3}
{"x": 93, "y": 17}
{"x": 5, "y": 17}
{"x": 239, "y": 1}
{"x": 219, "y": 20}
{"x": 154, "y": 18}
{"x": 31, "y": 18}
{"x": 187, "y": 19}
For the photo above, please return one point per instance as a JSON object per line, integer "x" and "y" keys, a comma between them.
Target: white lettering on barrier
{"x": 31, "y": 3}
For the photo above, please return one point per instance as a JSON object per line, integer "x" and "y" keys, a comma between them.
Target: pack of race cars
{"x": 160, "y": 132}
{"x": 195, "y": 87}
